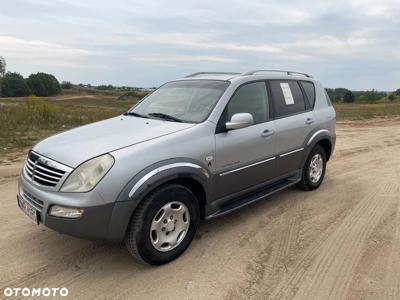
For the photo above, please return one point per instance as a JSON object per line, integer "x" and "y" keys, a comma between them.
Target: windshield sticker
{"x": 287, "y": 93}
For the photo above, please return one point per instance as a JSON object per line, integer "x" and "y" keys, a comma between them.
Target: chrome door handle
{"x": 267, "y": 133}
{"x": 309, "y": 121}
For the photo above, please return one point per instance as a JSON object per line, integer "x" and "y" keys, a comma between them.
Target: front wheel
{"x": 314, "y": 169}
{"x": 163, "y": 225}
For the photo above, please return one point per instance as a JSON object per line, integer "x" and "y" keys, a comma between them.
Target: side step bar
{"x": 255, "y": 196}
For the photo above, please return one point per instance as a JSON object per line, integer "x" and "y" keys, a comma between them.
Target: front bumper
{"x": 95, "y": 223}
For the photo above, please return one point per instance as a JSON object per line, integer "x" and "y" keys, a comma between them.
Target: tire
{"x": 312, "y": 180}
{"x": 155, "y": 238}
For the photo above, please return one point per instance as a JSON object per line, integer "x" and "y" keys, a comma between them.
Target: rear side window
{"x": 287, "y": 98}
{"x": 309, "y": 89}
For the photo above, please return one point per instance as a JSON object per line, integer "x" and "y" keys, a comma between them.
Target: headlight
{"x": 88, "y": 174}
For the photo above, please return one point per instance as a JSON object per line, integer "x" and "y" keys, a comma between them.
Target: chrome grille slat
{"x": 50, "y": 171}
{"x": 28, "y": 170}
{"x": 44, "y": 179}
{"x": 44, "y": 171}
{"x": 49, "y": 176}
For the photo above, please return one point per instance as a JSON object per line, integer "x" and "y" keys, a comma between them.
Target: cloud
{"x": 16, "y": 47}
{"x": 338, "y": 41}
{"x": 167, "y": 59}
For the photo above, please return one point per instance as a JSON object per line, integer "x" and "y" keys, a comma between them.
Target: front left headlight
{"x": 87, "y": 175}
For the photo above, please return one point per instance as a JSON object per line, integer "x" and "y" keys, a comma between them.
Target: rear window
{"x": 287, "y": 98}
{"x": 309, "y": 89}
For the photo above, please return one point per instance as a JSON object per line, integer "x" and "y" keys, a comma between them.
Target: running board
{"x": 255, "y": 196}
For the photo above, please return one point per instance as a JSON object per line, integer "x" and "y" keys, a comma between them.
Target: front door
{"x": 245, "y": 157}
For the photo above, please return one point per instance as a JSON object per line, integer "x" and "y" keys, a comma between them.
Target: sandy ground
{"x": 339, "y": 242}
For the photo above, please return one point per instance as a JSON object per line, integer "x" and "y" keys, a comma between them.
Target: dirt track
{"x": 339, "y": 242}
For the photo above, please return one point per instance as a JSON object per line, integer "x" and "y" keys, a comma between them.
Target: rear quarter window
{"x": 328, "y": 99}
{"x": 287, "y": 98}
{"x": 309, "y": 90}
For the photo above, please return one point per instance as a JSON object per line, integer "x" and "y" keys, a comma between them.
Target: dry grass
{"x": 24, "y": 121}
{"x": 361, "y": 111}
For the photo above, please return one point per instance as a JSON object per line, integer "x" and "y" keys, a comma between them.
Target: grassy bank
{"x": 24, "y": 121}
{"x": 361, "y": 111}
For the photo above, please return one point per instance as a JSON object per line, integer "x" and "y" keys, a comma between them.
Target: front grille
{"x": 35, "y": 202}
{"x": 38, "y": 170}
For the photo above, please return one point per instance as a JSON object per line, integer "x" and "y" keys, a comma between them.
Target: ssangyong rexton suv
{"x": 194, "y": 149}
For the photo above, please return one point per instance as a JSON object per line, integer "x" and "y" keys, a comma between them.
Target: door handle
{"x": 267, "y": 133}
{"x": 309, "y": 121}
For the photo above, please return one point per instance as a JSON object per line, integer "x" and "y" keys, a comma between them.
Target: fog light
{"x": 66, "y": 212}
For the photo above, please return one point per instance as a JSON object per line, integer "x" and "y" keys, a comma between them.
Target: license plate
{"x": 28, "y": 210}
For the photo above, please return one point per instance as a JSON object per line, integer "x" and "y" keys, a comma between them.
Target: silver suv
{"x": 194, "y": 149}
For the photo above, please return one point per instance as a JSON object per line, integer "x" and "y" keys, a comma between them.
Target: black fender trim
{"x": 314, "y": 138}
{"x": 149, "y": 179}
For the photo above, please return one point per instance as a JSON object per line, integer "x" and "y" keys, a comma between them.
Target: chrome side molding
{"x": 245, "y": 167}
{"x": 291, "y": 152}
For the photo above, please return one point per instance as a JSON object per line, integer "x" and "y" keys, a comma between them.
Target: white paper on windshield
{"x": 287, "y": 93}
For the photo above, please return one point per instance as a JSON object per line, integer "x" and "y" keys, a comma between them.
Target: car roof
{"x": 248, "y": 76}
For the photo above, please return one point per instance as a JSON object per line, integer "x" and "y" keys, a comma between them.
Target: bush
{"x": 392, "y": 97}
{"x": 66, "y": 85}
{"x": 43, "y": 84}
{"x": 348, "y": 97}
{"x": 14, "y": 85}
{"x": 371, "y": 96}
{"x": 40, "y": 110}
{"x": 105, "y": 87}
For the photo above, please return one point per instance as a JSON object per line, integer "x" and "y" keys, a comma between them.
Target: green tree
{"x": 14, "y": 85}
{"x": 337, "y": 94}
{"x": 392, "y": 96}
{"x": 348, "y": 97}
{"x": 2, "y": 66}
{"x": 397, "y": 92}
{"x": 43, "y": 84}
{"x": 66, "y": 85}
{"x": 2, "y": 70}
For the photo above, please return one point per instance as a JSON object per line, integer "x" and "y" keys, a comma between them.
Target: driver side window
{"x": 251, "y": 98}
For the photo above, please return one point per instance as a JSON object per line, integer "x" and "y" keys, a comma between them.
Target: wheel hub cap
{"x": 316, "y": 168}
{"x": 169, "y": 226}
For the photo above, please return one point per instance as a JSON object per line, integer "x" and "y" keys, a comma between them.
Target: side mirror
{"x": 240, "y": 120}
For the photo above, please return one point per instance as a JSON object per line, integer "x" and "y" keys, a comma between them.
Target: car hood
{"x": 80, "y": 144}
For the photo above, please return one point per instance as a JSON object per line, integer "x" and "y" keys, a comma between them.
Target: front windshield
{"x": 187, "y": 100}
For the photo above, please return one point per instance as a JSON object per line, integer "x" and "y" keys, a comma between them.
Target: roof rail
{"x": 253, "y": 72}
{"x": 211, "y": 73}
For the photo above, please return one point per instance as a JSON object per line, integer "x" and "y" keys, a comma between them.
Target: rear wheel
{"x": 314, "y": 169}
{"x": 163, "y": 225}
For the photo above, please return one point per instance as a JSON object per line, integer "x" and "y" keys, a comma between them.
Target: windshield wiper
{"x": 165, "y": 117}
{"x": 131, "y": 113}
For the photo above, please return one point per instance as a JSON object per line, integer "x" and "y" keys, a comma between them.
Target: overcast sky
{"x": 351, "y": 43}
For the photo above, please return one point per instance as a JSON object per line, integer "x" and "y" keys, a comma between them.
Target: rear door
{"x": 294, "y": 120}
{"x": 245, "y": 157}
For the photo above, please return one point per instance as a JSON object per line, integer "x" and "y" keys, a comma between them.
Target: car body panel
{"x": 80, "y": 144}
{"x": 229, "y": 167}
{"x": 242, "y": 164}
